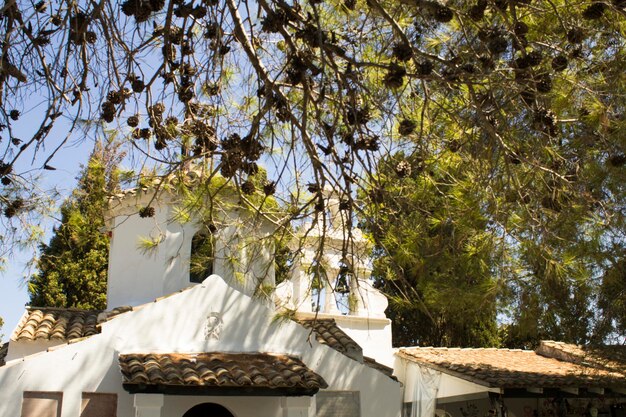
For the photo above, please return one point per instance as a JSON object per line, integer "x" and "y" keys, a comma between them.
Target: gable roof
{"x": 218, "y": 372}
{"x": 328, "y": 333}
{"x": 513, "y": 368}
{"x": 63, "y": 324}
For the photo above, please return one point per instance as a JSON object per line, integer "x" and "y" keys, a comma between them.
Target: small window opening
{"x": 202, "y": 256}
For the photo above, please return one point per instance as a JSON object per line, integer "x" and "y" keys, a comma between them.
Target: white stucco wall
{"x": 447, "y": 387}
{"x": 177, "y": 324}
{"x": 25, "y": 348}
{"x": 137, "y": 275}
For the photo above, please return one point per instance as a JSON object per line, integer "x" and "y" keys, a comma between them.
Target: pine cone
{"x": 534, "y": 58}
{"x": 402, "y": 52}
{"x": 497, "y": 44}
{"x": 269, "y": 188}
{"x": 5, "y": 169}
{"x": 130, "y": 7}
{"x": 544, "y": 84}
{"x": 575, "y": 35}
{"x": 477, "y": 11}
{"x": 17, "y": 204}
{"x": 157, "y": 109}
{"x": 212, "y": 31}
{"x": 138, "y": 85}
{"x": 520, "y": 28}
{"x": 108, "y": 117}
{"x": 406, "y": 127}
{"x": 108, "y": 107}
{"x": 443, "y": 14}
{"x": 133, "y": 121}
{"x": 160, "y": 144}
{"x": 559, "y": 63}
{"x": 248, "y": 187}
{"x": 9, "y": 212}
{"x": 199, "y": 12}
{"x": 157, "y": 5}
{"x": 143, "y": 13}
{"x": 145, "y": 212}
{"x": 424, "y": 68}
{"x": 545, "y": 118}
{"x": 595, "y": 11}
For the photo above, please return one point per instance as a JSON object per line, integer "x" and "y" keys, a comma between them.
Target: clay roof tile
{"x": 328, "y": 333}
{"x": 253, "y": 371}
{"x": 514, "y": 368}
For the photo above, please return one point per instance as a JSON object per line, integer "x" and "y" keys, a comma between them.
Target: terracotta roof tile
{"x": 4, "y": 349}
{"x": 52, "y": 323}
{"x": 218, "y": 371}
{"x": 505, "y": 368}
{"x": 56, "y": 323}
{"x": 328, "y": 333}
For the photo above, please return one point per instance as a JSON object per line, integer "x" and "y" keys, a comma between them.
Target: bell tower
{"x": 330, "y": 279}
{"x": 150, "y": 255}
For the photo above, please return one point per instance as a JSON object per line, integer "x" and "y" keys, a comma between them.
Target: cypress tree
{"x": 72, "y": 267}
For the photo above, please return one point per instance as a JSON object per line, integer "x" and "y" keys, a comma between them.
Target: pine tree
{"x": 72, "y": 268}
{"x": 463, "y": 266}
{"x": 433, "y": 254}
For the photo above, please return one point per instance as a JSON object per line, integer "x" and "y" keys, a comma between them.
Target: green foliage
{"x": 458, "y": 257}
{"x": 612, "y": 298}
{"x": 434, "y": 256}
{"x": 72, "y": 268}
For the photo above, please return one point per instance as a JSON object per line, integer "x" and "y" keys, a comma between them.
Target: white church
{"x": 234, "y": 344}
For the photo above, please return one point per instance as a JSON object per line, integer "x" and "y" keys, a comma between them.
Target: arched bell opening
{"x": 202, "y": 255}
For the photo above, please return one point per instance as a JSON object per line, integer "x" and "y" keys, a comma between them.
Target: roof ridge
{"x": 459, "y": 348}
{"x": 64, "y": 309}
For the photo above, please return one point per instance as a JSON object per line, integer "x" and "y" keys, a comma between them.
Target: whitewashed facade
{"x": 170, "y": 315}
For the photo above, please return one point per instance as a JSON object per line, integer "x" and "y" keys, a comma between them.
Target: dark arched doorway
{"x": 208, "y": 410}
